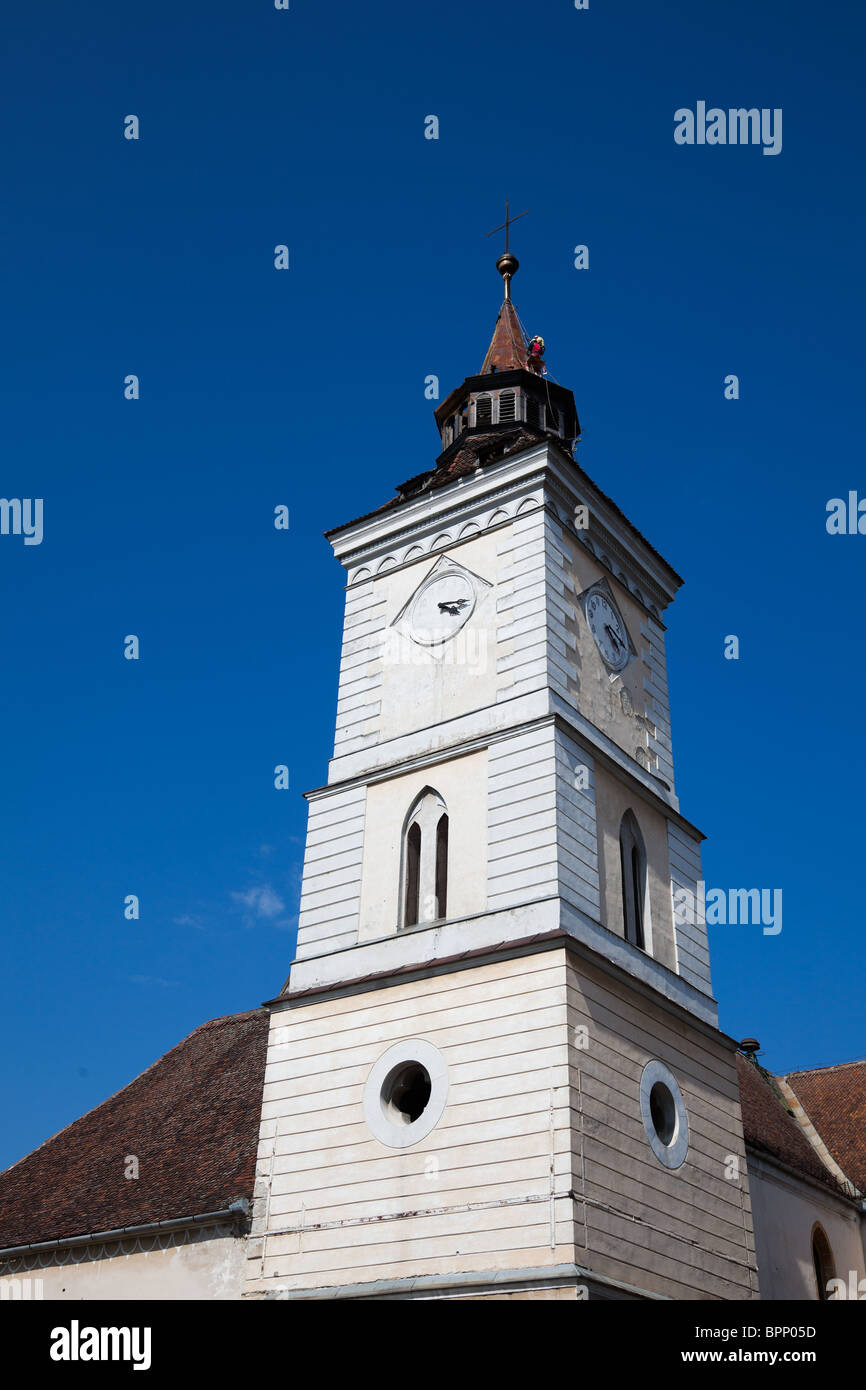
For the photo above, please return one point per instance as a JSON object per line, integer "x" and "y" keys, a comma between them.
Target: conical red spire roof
{"x": 507, "y": 346}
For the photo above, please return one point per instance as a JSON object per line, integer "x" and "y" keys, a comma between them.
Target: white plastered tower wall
{"x": 537, "y": 1179}
{"x": 527, "y": 690}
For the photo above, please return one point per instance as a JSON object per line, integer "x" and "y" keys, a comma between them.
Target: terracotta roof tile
{"x": 191, "y": 1119}
{"x": 770, "y": 1128}
{"x": 834, "y": 1098}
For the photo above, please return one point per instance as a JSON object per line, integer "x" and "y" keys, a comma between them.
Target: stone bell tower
{"x": 495, "y": 1068}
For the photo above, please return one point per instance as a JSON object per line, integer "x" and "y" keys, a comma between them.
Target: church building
{"x": 495, "y": 1070}
{"x": 496, "y": 1063}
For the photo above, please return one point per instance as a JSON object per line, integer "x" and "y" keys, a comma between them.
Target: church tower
{"x": 495, "y": 1069}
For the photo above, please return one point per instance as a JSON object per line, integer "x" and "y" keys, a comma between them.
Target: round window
{"x": 405, "y": 1093}
{"x": 664, "y": 1115}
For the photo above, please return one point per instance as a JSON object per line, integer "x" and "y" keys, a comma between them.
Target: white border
{"x": 672, "y": 1155}
{"x": 403, "y": 1136}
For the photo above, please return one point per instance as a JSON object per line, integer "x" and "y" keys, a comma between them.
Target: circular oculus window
{"x": 663, "y": 1111}
{"x": 405, "y": 1093}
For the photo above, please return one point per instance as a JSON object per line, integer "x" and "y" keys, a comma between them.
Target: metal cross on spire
{"x": 507, "y": 263}
{"x": 507, "y": 223}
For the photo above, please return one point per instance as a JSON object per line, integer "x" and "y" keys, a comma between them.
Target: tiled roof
{"x": 473, "y": 450}
{"x": 470, "y": 451}
{"x": 834, "y": 1098}
{"x": 507, "y": 346}
{"x": 451, "y": 466}
{"x": 770, "y": 1128}
{"x": 191, "y": 1120}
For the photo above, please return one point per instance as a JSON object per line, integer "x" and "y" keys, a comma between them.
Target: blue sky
{"x": 305, "y": 388}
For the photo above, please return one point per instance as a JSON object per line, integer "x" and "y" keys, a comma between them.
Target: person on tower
{"x": 535, "y": 353}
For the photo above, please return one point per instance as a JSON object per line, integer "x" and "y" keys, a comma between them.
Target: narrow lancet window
{"x": 442, "y": 867}
{"x": 634, "y": 880}
{"x": 425, "y": 861}
{"x": 413, "y": 871}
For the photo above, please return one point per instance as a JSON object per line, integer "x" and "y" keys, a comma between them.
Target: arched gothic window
{"x": 634, "y": 880}
{"x": 822, "y": 1259}
{"x": 425, "y": 860}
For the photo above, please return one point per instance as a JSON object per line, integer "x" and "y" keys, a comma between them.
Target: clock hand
{"x": 618, "y": 640}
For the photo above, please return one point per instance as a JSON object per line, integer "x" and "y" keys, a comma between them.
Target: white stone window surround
{"x": 673, "y": 1153}
{"x": 403, "y": 1136}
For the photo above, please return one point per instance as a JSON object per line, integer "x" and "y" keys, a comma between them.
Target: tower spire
{"x": 511, "y": 400}
{"x": 508, "y": 346}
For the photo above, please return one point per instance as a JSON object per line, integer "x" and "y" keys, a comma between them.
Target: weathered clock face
{"x": 609, "y": 631}
{"x": 441, "y": 607}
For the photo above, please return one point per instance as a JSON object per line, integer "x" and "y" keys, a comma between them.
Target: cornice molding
{"x": 463, "y": 510}
{"x": 484, "y": 491}
{"x": 599, "y": 535}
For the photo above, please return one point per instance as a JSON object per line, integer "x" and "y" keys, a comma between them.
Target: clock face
{"x": 609, "y": 631}
{"x": 440, "y": 608}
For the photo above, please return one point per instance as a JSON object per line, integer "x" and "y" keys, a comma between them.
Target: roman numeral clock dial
{"x": 609, "y": 630}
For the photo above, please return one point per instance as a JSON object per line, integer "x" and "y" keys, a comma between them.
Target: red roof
{"x": 191, "y": 1120}
{"x": 770, "y": 1128}
{"x": 507, "y": 346}
{"x": 834, "y": 1098}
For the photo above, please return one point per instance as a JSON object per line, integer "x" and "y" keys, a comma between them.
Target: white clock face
{"x": 609, "y": 631}
{"x": 440, "y": 608}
